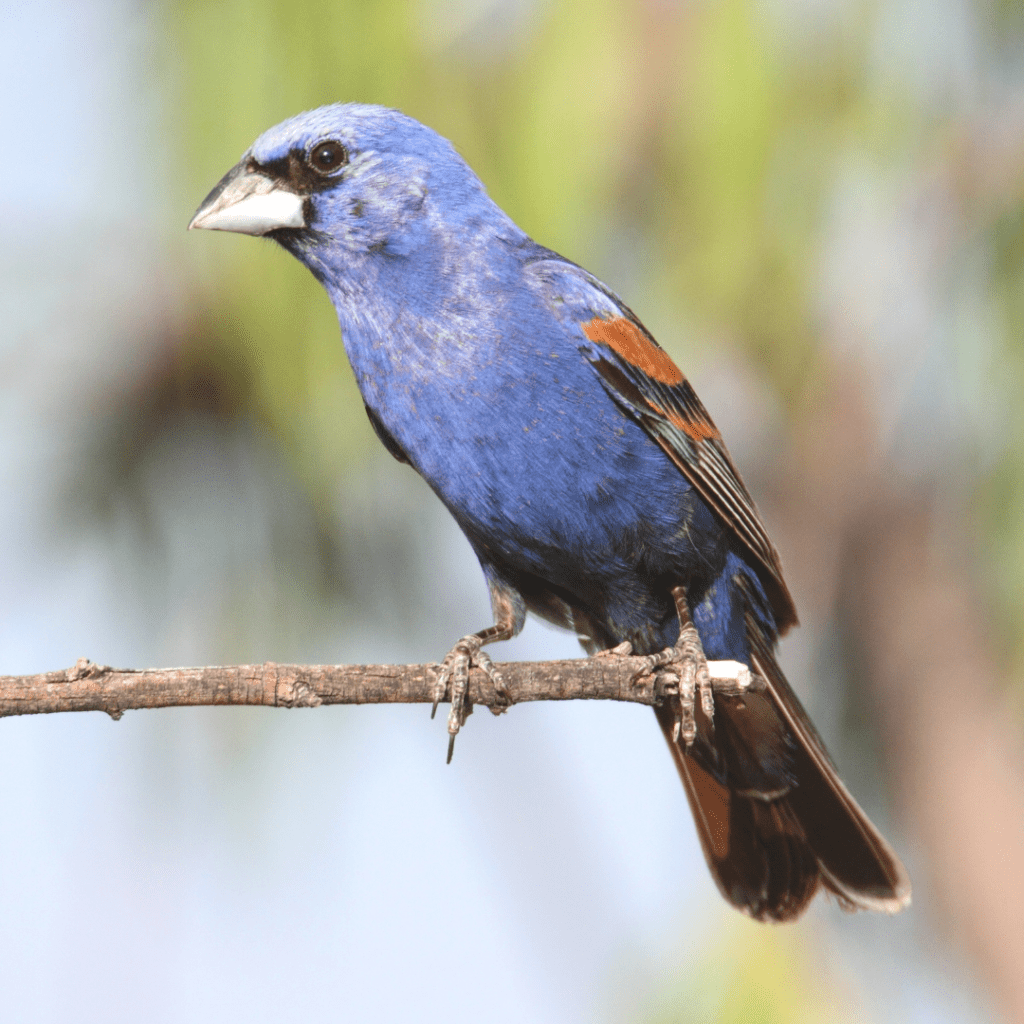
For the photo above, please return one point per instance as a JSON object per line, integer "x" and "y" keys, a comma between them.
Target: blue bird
{"x": 578, "y": 461}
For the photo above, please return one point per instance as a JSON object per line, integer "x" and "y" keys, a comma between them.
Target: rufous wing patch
{"x": 628, "y": 341}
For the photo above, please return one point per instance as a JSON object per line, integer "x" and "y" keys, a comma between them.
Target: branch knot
{"x": 85, "y": 669}
{"x": 299, "y": 694}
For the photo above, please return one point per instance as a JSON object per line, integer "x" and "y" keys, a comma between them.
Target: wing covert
{"x": 641, "y": 377}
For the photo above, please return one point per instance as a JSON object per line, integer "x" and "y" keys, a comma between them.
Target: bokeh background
{"x": 817, "y": 206}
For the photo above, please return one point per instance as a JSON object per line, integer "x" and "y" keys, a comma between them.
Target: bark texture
{"x": 91, "y": 687}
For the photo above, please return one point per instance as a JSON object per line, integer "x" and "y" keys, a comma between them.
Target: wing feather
{"x": 640, "y": 377}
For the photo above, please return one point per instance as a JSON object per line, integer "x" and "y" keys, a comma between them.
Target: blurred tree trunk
{"x": 954, "y": 751}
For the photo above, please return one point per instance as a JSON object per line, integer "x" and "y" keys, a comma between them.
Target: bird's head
{"x": 345, "y": 181}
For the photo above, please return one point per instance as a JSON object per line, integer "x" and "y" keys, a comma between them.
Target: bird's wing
{"x": 641, "y": 378}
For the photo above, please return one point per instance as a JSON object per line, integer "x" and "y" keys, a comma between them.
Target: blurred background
{"x": 817, "y": 206}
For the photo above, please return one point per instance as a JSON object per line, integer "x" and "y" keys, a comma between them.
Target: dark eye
{"x": 327, "y": 157}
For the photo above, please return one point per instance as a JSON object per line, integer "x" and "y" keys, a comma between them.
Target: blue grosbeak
{"x": 583, "y": 469}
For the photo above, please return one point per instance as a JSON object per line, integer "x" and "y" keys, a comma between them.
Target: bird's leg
{"x": 687, "y": 658}
{"x": 455, "y": 668}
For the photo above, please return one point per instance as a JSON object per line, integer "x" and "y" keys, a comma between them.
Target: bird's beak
{"x": 248, "y": 202}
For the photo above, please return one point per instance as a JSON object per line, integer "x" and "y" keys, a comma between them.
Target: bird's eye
{"x": 327, "y": 157}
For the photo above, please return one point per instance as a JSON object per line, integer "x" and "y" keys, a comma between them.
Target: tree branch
{"x": 91, "y": 687}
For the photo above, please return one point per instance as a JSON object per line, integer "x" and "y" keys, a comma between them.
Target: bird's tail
{"x": 774, "y": 818}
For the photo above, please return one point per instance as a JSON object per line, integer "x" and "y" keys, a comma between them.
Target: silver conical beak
{"x": 250, "y": 203}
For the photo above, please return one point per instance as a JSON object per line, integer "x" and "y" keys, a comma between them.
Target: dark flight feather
{"x": 769, "y": 849}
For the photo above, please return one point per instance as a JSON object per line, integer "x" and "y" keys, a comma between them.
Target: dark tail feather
{"x": 774, "y": 819}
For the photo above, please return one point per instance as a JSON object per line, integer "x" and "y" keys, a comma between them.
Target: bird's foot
{"x": 455, "y": 669}
{"x": 689, "y": 674}
{"x": 689, "y": 671}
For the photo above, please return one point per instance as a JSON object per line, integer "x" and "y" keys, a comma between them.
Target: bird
{"x": 587, "y": 476}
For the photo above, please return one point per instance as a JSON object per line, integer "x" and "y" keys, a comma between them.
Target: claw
{"x": 460, "y": 684}
{"x": 455, "y": 669}
{"x": 707, "y": 697}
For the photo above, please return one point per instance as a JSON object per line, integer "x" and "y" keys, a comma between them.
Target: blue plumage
{"x": 590, "y": 481}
